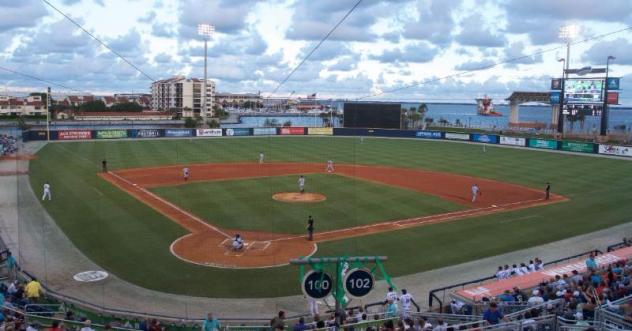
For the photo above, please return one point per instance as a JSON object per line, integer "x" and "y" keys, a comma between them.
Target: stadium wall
{"x": 492, "y": 139}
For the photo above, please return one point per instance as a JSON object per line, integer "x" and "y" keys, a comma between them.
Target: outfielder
{"x": 46, "y": 192}
{"x": 301, "y": 184}
{"x": 185, "y": 173}
{"x": 475, "y": 192}
{"x": 261, "y": 157}
{"x": 330, "y": 166}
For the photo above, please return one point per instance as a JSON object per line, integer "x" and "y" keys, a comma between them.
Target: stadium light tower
{"x": 206, "y": 31}
{"x": 568, "y": 33}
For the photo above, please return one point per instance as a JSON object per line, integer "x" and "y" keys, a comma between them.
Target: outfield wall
{"x": 492, "y": 139}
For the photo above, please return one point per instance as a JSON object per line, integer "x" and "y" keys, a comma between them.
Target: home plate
{"x": 494, "y": 206}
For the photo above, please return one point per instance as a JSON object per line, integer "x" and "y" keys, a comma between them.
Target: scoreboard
{"x": 583, "y": 91}
{"x": 372, "y": 115}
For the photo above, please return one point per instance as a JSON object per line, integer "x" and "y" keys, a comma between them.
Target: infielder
{"x": 261, "y": 157}
{"x": 475, "y": 192}
{"x": 301, "y": 184}
{"x": 185, "y": 173}
{"x": 330, "y": 166}
{"x": 47, "y": 192}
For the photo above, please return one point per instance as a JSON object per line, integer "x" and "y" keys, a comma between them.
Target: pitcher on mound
{"x": 301, "y": 184}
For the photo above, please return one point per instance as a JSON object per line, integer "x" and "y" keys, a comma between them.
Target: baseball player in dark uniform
{"x": 310, "y": 228}
{"x": 547, "y": 190}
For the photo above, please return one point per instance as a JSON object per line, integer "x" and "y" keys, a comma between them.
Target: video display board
{"x": 372, "y": 115}
{"x": 581, "y": 91}
{"x": 585, "y": 109}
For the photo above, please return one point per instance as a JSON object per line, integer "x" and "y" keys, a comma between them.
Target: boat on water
{"x": 485, "y": 107}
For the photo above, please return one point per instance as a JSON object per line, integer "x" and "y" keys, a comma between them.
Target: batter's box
{"x": 259, "y": 245}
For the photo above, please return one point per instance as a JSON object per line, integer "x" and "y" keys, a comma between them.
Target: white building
{"x": 237, "y": 99}
{"x": 27, "y": 106}
{"x": 183, "y": 95}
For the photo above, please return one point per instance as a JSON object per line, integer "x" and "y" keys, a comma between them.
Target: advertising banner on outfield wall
{"x": 571, "y": 146}
{"x": 38, "y": 135}
{"x": 208, "y": 132}
{"x": 291, "y": 131}
{"x": 351, "y": 132}
{"x": 74, "y": 135}
{"x": 178, "y": 133}
{"x": 320, "y": 131}
{"x": 264, "y": 131}
{"x": 428, "y": 134}
{"x": 484, "y": 138}
{"x": 457, "y": 136}
{"x": 110, "y": 134}
{"x": 145, "y": 133}
{"x": 393, "y": 133}
{"x": 615, "y": 150}
{"x": 542, "y": 143}
{"x": 238, "y": 132}
{"x": 513, "y": 141}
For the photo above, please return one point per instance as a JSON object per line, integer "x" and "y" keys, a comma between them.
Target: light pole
{"x": 568, "y": 33}
{"x": 560, "y": 114}
{"x": 206, "y": 31}
{"x": 604, "y": 111}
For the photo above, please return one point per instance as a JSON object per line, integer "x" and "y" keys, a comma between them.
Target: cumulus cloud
{"x": 417, "y": 52}
{"x": 435, "y": 22}
{"x": 516, "y": 55}
{"x": 599, "y": 52}
{"x": 20, "y": 14}
{"x": 474, "y": 32}
{"x": 475, "y": 65}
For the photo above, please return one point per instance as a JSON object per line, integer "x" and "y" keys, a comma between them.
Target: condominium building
{"x": 22, "y": 106}
{"x": 182, "y": 95}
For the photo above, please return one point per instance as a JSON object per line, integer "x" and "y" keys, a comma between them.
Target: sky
{"x": 406, "y": 50}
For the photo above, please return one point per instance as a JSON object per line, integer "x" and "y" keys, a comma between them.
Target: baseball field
{"x": 407, "y": 199}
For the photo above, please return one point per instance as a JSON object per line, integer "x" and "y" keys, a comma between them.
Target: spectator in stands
{"x": 441, "y": 325}
{"x": 87, "y": 326}
{"x": 536, "y": 298}
{"x": 591, "y": 264}
{"x": 154, "y": 325}
{"x": 506, "y": 297}
{"x": 211, "y": 323}
{"x": 12, "y": 266}
{"x": 278, "y": 322}
{"x": 492, "y": 315}
{"x": 300, "y": 325}
{"x": 391, "y": 309}
{"x": 56, "y": 326}
{"x": 518, "y": 295}
{"x": 33, "y": 290}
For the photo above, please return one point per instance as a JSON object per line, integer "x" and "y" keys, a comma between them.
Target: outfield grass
{"x": 132, "y": 241}
{"x": 248, "y": 204}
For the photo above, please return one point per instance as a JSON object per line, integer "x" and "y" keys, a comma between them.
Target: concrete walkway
{"x": 46, "y": 252}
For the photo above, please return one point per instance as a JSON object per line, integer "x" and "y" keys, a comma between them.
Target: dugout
{"x": 385, "y": 115}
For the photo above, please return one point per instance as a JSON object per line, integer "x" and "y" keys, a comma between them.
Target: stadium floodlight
{"x": 206, "y": 31}
{"x": 568, "y": 32}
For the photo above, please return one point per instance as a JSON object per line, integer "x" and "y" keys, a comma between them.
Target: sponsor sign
{"x": 613, "y": 98}
{"x": 484, "y": 138}
{"x": 513, "y": 141}
{"x": 38, "y": 135}
{"x": 457, "y": 136}
{"x": 110, "y": 134}
{"x": 238, "y": 132}
{"x": 178, "y": 133}
{"x": 147, "y": 133}
{"x": 572, "y": 146}
{"x": 208, "y": 132}
{"x": 615, "y": 150}
{"x": 291, "y": 131}
{"x": 531, "y": 280}
{"x": 556, "y": 84}
{"x": 74, "y": 135}
{"x": 90, "y": 276}
{"x": 542, "y": 143}
{"x": 264, "y": 131}
{"x": 555, "y": 98}
{"x": 320, "y": 131}
{"x": 428, "y": 134}
{"x": 613, "y": 83}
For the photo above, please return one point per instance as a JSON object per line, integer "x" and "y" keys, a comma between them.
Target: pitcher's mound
{"x": 299, "y": 197}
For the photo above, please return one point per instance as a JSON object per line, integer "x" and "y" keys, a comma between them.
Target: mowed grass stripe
{"x": 130, "y": 240}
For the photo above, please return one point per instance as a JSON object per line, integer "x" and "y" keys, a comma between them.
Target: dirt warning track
{"x": 210, "y": 245}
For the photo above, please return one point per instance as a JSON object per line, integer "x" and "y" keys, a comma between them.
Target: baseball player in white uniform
{"x": 185, "y": 173}
{"x": 46, "y": 192}
{"x": 391, "y": 295}
{"x": 261, "y": 157}
{"x": 330, "y": 166}
{"x": 238, "y": 243}
{"x": 301, "y": 184}
{"x": 407, "y": 301}
{"x": 475, "y": 192}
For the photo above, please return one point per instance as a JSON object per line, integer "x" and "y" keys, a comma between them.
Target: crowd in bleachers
{"x": 8, "y": 145}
